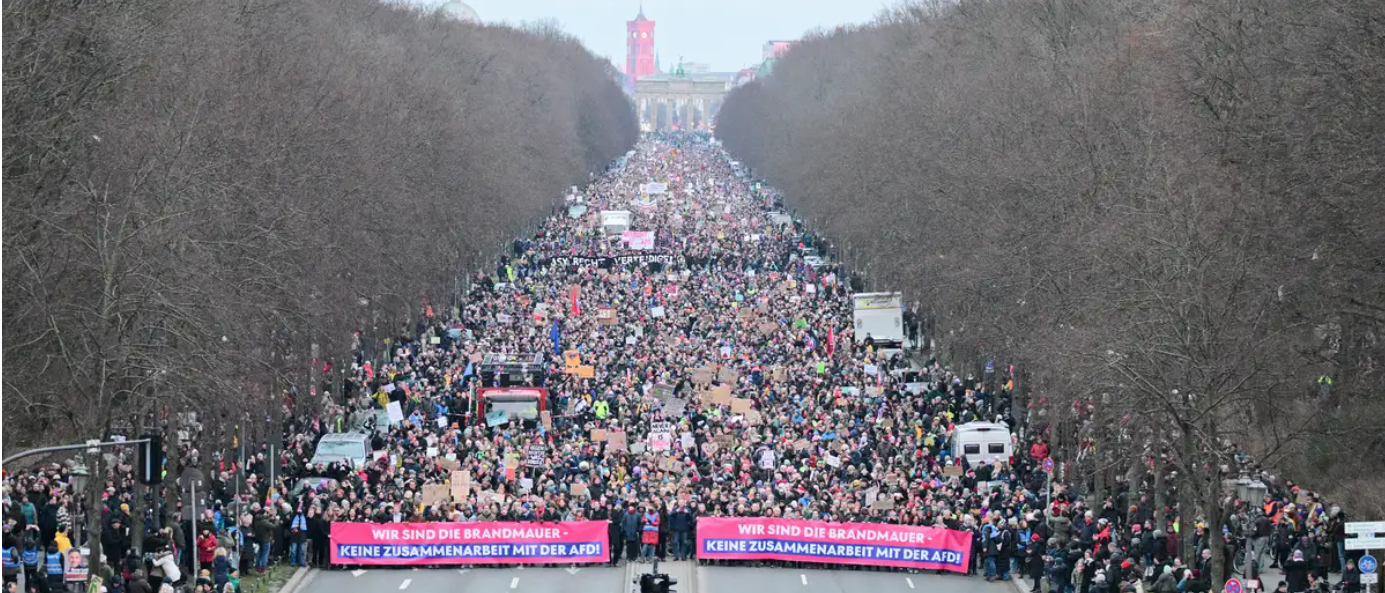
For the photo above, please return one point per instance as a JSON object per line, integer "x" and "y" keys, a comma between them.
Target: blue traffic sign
{"x": 1233, "y": 586}
{"x": 1048, "y": 465}
{"x": 1367, "y": 564}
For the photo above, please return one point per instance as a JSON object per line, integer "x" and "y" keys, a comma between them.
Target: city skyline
{"x": 702, "y": 32}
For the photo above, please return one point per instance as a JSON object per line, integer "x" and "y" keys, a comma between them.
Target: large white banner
{"x": 654, "y": 189}
{"x": 638, "y": 239}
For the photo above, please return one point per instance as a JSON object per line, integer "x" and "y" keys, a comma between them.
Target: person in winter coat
{"x": 1166, "y": 583}
{"x": 139, "y": 583}
{"x": 206, "y": 547}
{"x": 1351, "y": 578}
{"x": 221, "y": 569}
{"x": 1034, "y": 556}
{"x": 1296, "y": 572}
{"x": 630, "y": 532}
{"x": 681, "y": 524}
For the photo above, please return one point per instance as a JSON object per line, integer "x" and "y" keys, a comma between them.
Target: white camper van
{"x": 615, "y": 222}
{"x": 880, "y": 315}
{"x": 982, "y": 441}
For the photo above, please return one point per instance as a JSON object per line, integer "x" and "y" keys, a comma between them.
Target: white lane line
{"x": 514, "y": 583}
{"x": 357, "y": 572}
{"x": 462, "y": 571}
{"x": 405, "y": 585}
{"x": 910, "y": 581}
{"x": 804, "y": 577}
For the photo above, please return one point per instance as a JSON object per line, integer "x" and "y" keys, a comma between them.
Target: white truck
{"x": 880, "y": 316}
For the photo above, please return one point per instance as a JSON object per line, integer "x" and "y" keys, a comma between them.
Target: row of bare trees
{"x": 1167, "y": 214}
{"x": 202, "y": 200}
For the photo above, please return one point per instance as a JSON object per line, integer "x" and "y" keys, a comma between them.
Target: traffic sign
{"x": 1367, "y": 564}
{"x": 1370, "y": 579}
{"x": 1233, "y": 586}
{"x": 1048, "y": 464}
{"x": 1365, "y": 527}
{"x": 1365, "y": 543}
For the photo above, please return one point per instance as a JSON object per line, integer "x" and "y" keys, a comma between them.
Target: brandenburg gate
{"x": 690, "y": 103}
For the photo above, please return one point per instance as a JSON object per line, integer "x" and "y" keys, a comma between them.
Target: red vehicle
{"x": 515, "y": 403}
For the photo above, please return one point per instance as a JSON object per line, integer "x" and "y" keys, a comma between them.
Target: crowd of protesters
{"x": 821, "y": 426}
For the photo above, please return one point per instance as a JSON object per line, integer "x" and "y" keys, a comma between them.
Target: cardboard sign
{"x": 434, "y": 494}
{"x": 598, "y": 435}
{"x": 460, "y": 485}
{"x": 451, "y": 465}
{"x": 768, "y": 327}
{"x": 579, "y": 490}
{"x": 779, "y": 374}
{"x": 547, "y": 418}
{"x": 710, "y": 448}
{"x": 606, "y": 316}
{"x": 661, "y": 436}
{"x": 571, "y": 360}
{"x": 616, "y": 441}
{"x": 802, "y": 444}
{"x": 753, "y": 418}
{"x": 663, "y": 392}
{"x": 727, "y": 375}
{"x": 586, "y": 371}
{"x": 740, "y": 405}
{"x": 952, "y": 471}
{"x": 883, "y": 504}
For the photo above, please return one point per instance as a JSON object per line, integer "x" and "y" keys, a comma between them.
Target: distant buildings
{"x": 775, "y": 49}
{"x": 459, "y": 11}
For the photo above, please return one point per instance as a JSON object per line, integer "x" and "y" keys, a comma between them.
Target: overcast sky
{"x": 726, "y": 34}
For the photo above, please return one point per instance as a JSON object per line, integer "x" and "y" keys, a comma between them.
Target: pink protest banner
{"x": 405, "y": 544}
{"x": 868, "y": 544}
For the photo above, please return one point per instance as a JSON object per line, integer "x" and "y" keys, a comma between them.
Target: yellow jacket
{"x": 63, "y": 543}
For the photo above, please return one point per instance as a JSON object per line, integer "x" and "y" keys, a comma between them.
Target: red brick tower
{"x": 639, "y": 49}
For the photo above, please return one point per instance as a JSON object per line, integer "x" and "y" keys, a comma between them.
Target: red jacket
{"x": 1038, "y": 452}
{"x": 206, "y": 549}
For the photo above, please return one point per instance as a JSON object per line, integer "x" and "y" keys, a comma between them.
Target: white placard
{"x": 396, "y": 413}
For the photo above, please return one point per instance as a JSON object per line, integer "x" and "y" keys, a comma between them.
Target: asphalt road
{"x": 476, "y": 580}
{"x": 617, "y": 580}
{"x": 717, "y": 579}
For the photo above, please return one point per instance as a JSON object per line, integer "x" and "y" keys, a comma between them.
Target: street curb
{"x": 299, "y": 579}
{"x": 1019, "y": 582}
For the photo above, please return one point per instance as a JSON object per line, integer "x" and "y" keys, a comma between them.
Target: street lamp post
{"x": 80, "y": 476}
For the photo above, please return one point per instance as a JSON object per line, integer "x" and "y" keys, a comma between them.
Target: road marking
{"x": 357, "y": 572}
{"x": 804, "y": 577}
{"x": 462, "y": 571}
{"x": 405, "y": 585}
{"x": 910, "y": 581}
{"x": 514, "y": 583}
{"x": 573, "y": 570}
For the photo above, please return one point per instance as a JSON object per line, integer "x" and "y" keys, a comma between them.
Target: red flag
{"x": 831, "y": 342}
{"x": 576, "y": 309}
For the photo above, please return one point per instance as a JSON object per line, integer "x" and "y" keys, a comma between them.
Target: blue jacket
{"x": 630, "y": 525}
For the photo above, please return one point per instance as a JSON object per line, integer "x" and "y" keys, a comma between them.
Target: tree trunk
{"x": 1213, "y": 513}
{"x": 1161, "y": 499}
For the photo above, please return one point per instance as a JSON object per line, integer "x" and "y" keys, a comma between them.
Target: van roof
{"x": 982, "y": 427}
{"x": 345, "y": 436}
